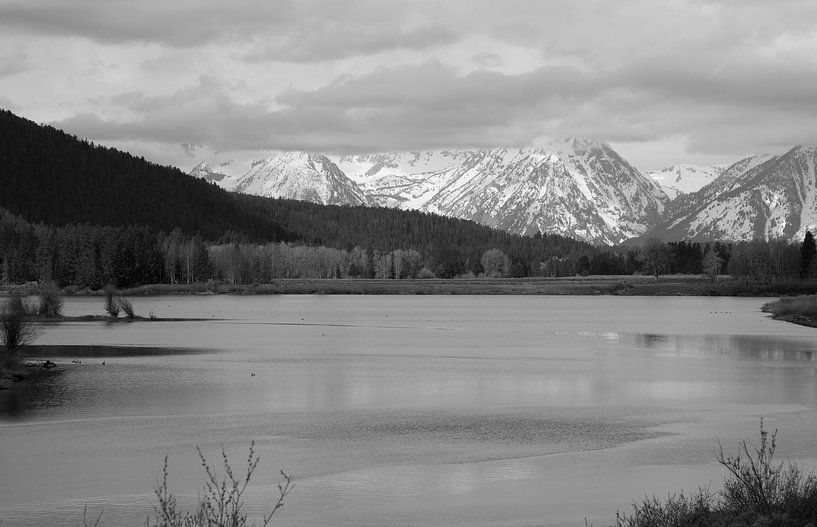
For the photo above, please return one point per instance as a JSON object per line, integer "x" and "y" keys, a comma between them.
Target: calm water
{"x": 407, "y": 410}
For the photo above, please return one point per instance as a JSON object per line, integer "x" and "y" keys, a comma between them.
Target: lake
{"x": 406, "y": 410}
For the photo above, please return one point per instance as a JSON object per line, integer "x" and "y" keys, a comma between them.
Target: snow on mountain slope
{"x": 297, "y": 175}
{"x": 405, "y": 180}
{"x": 205, "y": 171}
{"x": 576, "y": 187}
{"x": 757, "y": 198}
{"x": 685, "y": 178}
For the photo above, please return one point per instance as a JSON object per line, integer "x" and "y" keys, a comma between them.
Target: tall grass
{"x": 757, "y": 491}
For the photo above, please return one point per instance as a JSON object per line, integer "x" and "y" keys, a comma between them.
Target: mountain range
{"x": 574, "y": 187}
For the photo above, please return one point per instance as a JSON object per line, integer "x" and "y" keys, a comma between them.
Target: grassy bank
{"x": 690, "y": 285}
{"x": 799, "y": 310}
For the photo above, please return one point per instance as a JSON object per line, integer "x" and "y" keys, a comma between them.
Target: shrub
{"x": 112, "y": 305}
{"x": 426, "y": 273}
{"x": 127, "y": 307}
{"x": 757, "y": 491}
{"x": 220, "y": 500}
{"x": 16, "y": 328}
{"x": 677, "y": 510}
{"x": 758, "y": 487}
{"x": 50, "y": 302}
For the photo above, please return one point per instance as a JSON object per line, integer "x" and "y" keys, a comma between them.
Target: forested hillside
{"x": 70, "y": 206}
{"x": 51, "y": 177}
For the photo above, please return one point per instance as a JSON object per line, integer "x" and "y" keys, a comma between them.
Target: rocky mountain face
{"x": 297, "y": 175}
{"x": 205, "y": 171}
{"x": 574, "y": 187}
{"x": 761, "y": 197}
{"x": 676, "y": 180}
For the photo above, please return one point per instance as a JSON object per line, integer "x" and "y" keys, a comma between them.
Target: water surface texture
{"x": 406, "y": 410}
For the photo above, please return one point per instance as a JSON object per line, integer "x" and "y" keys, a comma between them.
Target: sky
{"x": 178, "y": 81}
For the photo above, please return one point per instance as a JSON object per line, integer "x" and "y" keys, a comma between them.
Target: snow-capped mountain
{"x": 576, "y": 187}
{"x": 205, "y": 171}
{"x": 297, "y": 175}
{"x": 768, "y": 196}
{"x": 685, "y": 178}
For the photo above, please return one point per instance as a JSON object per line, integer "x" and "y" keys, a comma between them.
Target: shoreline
{"x": 797, "y": 319}
{"x": 630, "y": 285}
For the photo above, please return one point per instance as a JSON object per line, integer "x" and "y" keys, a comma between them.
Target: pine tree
{"x": 808, "y": 250}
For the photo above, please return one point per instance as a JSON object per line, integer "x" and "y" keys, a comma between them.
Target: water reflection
{"x": 39, "y": 391}
{"x": 761, "y": 348}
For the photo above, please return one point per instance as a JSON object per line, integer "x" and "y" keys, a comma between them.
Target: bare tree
{"x": 16, "y": 327}
{"x": 712, "y": 264}
{"x": 655, "y": 256}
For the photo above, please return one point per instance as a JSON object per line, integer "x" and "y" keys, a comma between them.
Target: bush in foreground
{"x": 221, "y": 500}
{"x": 757, "y": 491}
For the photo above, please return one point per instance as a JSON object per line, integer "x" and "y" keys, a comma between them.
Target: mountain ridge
{"x": 759, "y": 197}
{"x": 579, "y": 188}
{"x": 575, "y": 187}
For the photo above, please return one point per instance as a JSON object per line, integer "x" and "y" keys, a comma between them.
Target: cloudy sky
{"x": 662, "y": 81}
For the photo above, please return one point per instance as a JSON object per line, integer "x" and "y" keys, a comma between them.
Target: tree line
{"x": 94, "y": 256}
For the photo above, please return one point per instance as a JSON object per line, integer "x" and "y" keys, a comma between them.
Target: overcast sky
{"x": 662, "y": 81}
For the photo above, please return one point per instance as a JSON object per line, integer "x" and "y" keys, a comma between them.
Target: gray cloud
{"x": 432, "y": 106}
{"x": 732, "y": 76}
{"x": 12, "y": 61}
{"x": 330, "y": 40}
{"x": 191, "y": 150}
{"x": 177, "y": 23}
{"x": 289, "y": 30}
{"x": 7, "y": 104}
{"x": 488, "y": 60}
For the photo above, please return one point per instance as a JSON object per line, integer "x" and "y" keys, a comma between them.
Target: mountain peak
{"x": 307, "y": 176}
{"x": 204, "y": 171}
{"x": 685, "y": 178}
